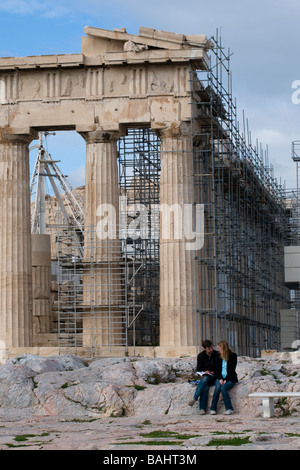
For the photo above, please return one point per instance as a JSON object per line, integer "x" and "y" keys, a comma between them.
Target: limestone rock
{"x": 154, "y": 372}
{"x": 16, "y": 390}
{"x": 48, "y": 364}
{"x": 70, "y": 387}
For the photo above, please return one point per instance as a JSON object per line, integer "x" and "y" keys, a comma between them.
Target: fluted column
{"x": 177, "y": 263}
{"x": 15, "y": 242}
{"x": 102, "y": 284}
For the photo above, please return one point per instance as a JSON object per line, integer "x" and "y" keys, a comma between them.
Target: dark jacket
{"x": 205, "y": 362}
{"x": 231, "y": 366}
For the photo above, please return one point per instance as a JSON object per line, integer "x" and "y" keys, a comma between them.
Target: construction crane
{"x": 70, "y": 203}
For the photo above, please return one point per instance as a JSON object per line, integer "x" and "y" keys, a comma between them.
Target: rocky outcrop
{"x": 72, "y": 387}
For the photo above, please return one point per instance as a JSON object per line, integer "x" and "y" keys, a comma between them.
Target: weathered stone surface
{"x": 41, "y": 365}
{"x": 68, "y": 386}
{"x": 65, "y": 402}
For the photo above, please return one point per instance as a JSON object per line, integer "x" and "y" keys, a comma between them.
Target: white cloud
{"x": 77, "y": 177}
{"x": 33, "y": 7}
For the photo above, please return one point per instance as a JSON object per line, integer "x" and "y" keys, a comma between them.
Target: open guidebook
{"x": 204, "y": 373}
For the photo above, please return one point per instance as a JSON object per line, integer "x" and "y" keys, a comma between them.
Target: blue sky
{"x": 263, "y": 36}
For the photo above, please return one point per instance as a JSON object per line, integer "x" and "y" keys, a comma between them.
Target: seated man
{"x": 206, "y": 363}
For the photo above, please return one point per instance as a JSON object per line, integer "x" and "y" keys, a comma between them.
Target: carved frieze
{"x": 92, "y": 83}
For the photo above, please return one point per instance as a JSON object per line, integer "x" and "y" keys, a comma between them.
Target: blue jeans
{"x": 202, "y": 390}
{"x": 224, "y": 389}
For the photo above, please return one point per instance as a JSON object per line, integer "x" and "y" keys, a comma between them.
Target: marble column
{"x": 178, "y": 324}
{"x": 104, "y": 322}
{"x": 15, "y": 242}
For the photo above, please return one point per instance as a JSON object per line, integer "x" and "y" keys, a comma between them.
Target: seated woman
{"x": 226, "y": 377}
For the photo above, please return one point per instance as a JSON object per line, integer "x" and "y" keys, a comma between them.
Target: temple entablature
{"x": 118, "y": 79}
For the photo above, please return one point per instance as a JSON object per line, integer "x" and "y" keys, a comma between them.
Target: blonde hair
{"x": 225, "y": 350}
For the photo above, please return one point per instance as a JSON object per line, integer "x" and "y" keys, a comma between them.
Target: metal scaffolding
{"x": 293, "y": 199}
{"x": 108, "y": 290}
{"x": 240, "y": 269}
{"x": 139, "y": 178}
{"x": 109, "y": 299}
{"x": 293, "y": 208}
{"x": 96, "y": 295}
{"x": 70, "y": 203}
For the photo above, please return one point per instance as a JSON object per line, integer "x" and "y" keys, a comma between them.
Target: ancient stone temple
{"x": 117, "y": 83}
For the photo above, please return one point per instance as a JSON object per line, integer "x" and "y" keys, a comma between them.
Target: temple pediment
{"x": 149, "y": 46}
{"x": 102, "y": 47}
{"x": 148, "y": 38}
